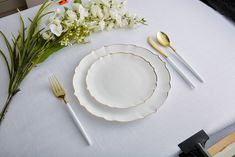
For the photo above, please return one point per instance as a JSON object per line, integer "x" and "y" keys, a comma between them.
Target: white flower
{"x": 115, "y": 14}
{"x": 131, "y": 23}
{"x": 56, "y": 29}
{"x": 68, "y": 23}
{"x": 121, "y": 5}
{"x": 47, "y": 35}
{"x": 124, "y": 3}
{"x": 83, "y": 19}
{"x": 51, "y": 18}
{"x": 110, "y": 26}
{"x": 124, "y": 23}
{"x": 115, "y": 4}
{"x": 71, "y": 15}
{"x": 96, "y": 11}
{"x": 81, "y": 10}
{"x": 57, "y": 15}
{"x": 106, "y": 12}
{"x": 94, "y": 2}
{"x": 91, "y": 25}
{"x": 119, "y": 22}
{"x": 76, "y": 6}
{"x": 101, "y": 25}
{"x": 105, "y": 2}
{"x": 55, "y": 21}
{"x": 59, "y": 12}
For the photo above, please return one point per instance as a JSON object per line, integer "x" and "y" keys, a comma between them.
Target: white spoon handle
{"x": 189, "y": 67}
{"x": 181, "y": 74}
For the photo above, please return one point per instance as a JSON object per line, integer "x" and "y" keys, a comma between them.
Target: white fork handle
{"x": 76, "y": 120}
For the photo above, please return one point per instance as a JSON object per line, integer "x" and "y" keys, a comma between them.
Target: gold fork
{"x": 59, "y": 92}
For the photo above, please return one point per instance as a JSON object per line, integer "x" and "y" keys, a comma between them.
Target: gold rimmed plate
{"x": 151, "y": 105}
{"x": 121, "y": 80}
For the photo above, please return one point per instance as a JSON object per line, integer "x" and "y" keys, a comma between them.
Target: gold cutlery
{"x": 181, "y": 74}
{"x": 59, "y": 92}
{"x": 164, "y": 40}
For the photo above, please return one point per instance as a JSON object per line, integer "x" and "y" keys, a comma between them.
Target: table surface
{"x": 37, "y": 123}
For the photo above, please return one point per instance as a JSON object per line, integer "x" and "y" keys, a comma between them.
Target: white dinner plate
{"x": 121, "y": 80}
{"x": 127, "y": 114}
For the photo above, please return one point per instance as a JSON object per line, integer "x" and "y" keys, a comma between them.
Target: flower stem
{"x": 5, "y": 108}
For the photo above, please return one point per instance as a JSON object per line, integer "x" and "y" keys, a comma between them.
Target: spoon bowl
{"x": 164, "y": 40}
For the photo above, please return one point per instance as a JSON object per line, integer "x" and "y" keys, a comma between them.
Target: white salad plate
{"x": 98, "y": 109}
{"x": 121, "y": 80}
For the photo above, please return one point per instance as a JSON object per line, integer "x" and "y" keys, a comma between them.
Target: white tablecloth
{"x": 37, "y": 123}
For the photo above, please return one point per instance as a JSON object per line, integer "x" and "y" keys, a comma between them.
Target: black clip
{"x": 194, "y": 146}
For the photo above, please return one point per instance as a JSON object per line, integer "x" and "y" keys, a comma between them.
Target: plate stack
{"x": 121, "y": 82}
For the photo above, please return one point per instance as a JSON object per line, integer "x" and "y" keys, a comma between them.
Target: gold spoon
{"x": 164, "y": 40}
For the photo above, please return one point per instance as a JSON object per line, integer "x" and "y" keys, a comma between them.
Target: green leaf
{"x": 66, "y": 9}
{"x": 23, "y": 53}
{"x": 5, "y": 59}
{"x": 49, "y": 51}
{"x": 12, "y": 55}
{"x": 42, "y": 15}
{"x": 77, "y": 1}
{"x": 30, "y": 20}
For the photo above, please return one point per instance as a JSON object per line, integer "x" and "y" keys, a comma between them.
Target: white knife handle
{"x": 76, "y": 120}
{"x": 186, "y": 80}
{"x": 189, "y": 67}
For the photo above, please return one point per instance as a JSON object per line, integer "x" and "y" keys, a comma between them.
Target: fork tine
{"x": 52, "y": 85}
{"x": 59, "y": 86}
{"x": 55, "y": 85}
